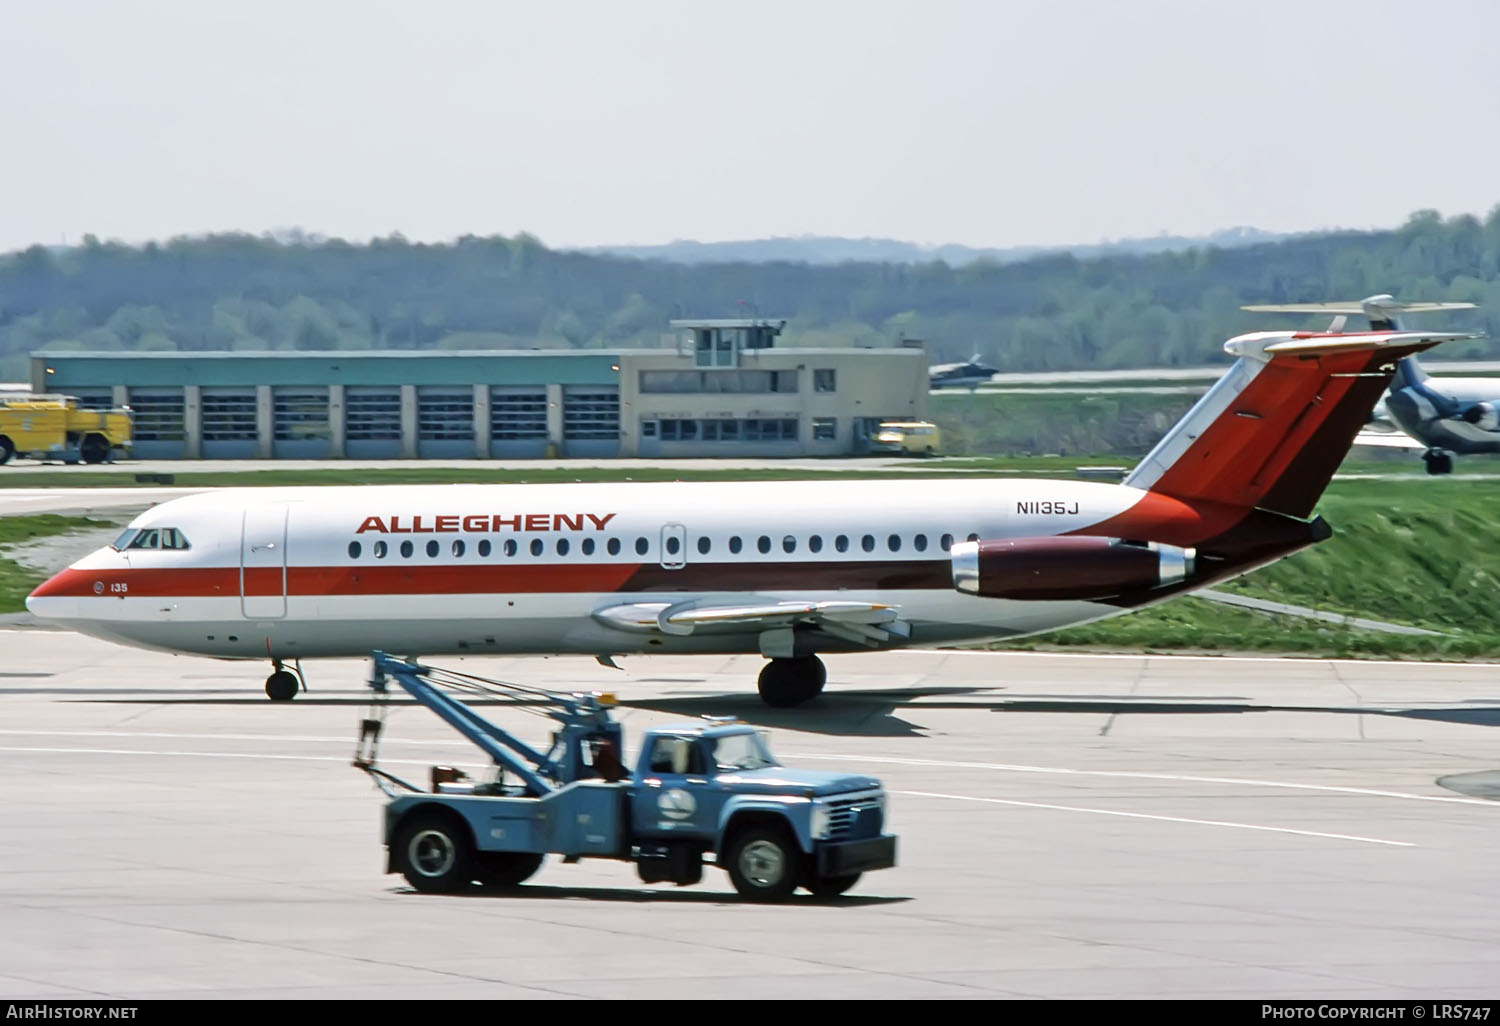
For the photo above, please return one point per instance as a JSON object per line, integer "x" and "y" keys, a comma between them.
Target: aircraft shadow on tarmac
{"x": 625, "y": 894}
{"x": 856, "y": 713}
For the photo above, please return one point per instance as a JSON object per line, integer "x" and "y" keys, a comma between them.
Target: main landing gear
{"x": 1439, "y": 461}
{"x": 784, "y": 683}
{"x": 282, "y": 685}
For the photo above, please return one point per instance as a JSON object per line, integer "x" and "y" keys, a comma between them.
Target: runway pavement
{"x": 1070, "y": 826}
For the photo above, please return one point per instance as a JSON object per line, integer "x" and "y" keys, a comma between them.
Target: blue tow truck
{"x": 704, "y": 790}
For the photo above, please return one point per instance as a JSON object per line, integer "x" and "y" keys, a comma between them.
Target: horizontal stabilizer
{"x": 1356, "y": 307}
{"x": 1313, "y": 344}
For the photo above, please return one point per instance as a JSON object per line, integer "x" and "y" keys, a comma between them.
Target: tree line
{"x": 1063, "y": 312}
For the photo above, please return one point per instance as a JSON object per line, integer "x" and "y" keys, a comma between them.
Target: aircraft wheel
{"x": 434, "y": 852}
{"x": 784, "y": 683}
{"x": 281, "y": 686}
{"x": 1438, "y": 461}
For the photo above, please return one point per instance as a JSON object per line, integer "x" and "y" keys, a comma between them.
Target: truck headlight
{"x": 821, "y": 819}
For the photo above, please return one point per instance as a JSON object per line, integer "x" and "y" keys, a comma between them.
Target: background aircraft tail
{"x": 1273, "y": 430}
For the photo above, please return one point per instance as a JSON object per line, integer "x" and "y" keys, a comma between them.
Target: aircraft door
{"x": 673, "y": 546}
{"x": 263, "y": 563}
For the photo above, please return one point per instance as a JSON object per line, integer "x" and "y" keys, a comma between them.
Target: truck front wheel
{"x": 831, "y": 886}
{"x": 434, "y": 852}
{"x": 762, "y": 863}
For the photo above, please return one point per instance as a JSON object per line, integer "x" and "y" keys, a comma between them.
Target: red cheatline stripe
{"x": 532, "y": 578}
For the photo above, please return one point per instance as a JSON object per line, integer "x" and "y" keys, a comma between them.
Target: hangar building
{"x": 721, "y": 388}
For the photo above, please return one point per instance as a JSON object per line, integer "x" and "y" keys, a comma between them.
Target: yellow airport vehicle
{"x": 55, "y": 428}
{"x": 917, "y": 437}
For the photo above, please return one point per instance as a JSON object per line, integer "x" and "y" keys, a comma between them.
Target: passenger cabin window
{"x": 354, "y": 550}
{"x": 562, "y": 546}
{"x": 789, "y": 544}
{"x": 867, "y": 543}
{"x": 511, "y": 548}
{"x": 406, "y": 550}
{"x": 815, "y": 544}
{"x": 919, "y": 543}
{"x": 588, "y": 546}
{"x": 380, "y": 549}
{"x": 613, "y": 546}
{"x": 946, "y": 543}
{"x": 536, "y": 546}
{"x": 703, "y": 545}
{"x": 735, "y": 544}
{"x": 841, "y": 543}
{"x": 641, "y": 545}
{"x": 763, "y": 544}
{"x": 458, "y": 548}
{"x": 484, "y": 547}
{"x": 432, "y": 549}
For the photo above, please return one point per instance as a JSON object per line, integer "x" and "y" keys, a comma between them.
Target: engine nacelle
{"x": 1066, "y": 567}
{"x": 1484, "y": 416}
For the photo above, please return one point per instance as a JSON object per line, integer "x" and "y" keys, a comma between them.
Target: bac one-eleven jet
{"x": 789, "y": 570}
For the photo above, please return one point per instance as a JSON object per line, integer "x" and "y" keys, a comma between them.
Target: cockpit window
{"x": 123, "y": 540}
{"x": 155, "y": 538}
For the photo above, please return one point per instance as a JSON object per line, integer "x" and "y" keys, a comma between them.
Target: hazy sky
{"x": 989, "y": 123}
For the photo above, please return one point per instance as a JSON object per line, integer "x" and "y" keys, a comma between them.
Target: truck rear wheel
{"x": 434, "y": 852}
{"x": 507, "y": 868}
{"x": 762, "y": 863}
{"x": 7, "y": 449}
{"x": 95, "y": 449}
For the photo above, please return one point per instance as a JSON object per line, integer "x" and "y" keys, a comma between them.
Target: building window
{"x": 591, "y": 414}
{"x": 824, "y": 380}
{"x": 517, "y": 416}
{"x": 825, "y": 429}
{"x": 648, "y": 429}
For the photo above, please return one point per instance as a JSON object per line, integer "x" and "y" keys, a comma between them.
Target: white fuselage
{"x": 302, "y": 572}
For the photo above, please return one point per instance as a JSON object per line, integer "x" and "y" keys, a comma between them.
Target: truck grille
{"x": 853, "y": 817}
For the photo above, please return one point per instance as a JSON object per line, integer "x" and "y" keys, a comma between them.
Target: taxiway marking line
{"x": 1130, "y": 775}
{"x": 1159, "y": 818}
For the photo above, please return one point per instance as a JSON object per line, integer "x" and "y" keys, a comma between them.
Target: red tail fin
{"x": 1273, "y": 430}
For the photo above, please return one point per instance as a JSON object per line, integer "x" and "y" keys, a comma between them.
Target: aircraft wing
{"x": 867, "y": 623}
{"x": 1390, "y": 439}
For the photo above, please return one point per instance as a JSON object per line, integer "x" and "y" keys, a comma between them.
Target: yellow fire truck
{"x": 53, "y": 427}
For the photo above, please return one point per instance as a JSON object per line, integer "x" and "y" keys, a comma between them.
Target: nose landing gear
{"x": 282, "y": 685}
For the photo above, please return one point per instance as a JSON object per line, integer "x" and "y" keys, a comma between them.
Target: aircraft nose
{"x": 58, "y": 596}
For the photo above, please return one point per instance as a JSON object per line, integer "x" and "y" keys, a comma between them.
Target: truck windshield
{"x": 742, "y": 752}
